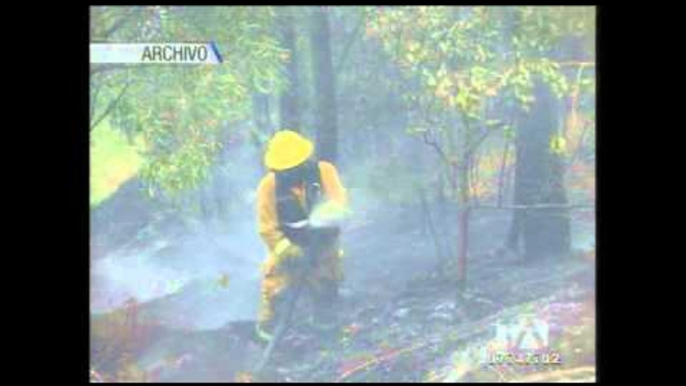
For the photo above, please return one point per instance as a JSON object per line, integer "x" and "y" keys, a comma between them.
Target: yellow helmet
{"x": 287, "y": 149}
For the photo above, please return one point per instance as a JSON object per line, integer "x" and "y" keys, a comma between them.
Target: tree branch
{"x": 432, "y": 142}
{"x": 475, "y": 145}
{"x": 94, "y": 100}
{"x": 110, "y": 107}
{"x": 487, "y": 131}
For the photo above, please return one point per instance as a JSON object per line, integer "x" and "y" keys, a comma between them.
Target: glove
{"x": 285, "y": 251}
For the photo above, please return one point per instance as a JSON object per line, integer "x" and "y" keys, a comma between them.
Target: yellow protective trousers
{"x": 277, "y": 279}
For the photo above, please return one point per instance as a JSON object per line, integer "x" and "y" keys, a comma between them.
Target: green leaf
{"x": 444, "y": 46}
{"x": 431, "y": 81}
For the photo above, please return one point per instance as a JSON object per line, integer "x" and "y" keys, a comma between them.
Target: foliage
{"x": 464, "y": 55}
{"x": 180, "y": 111}
{"x": 467, "y": 65}
{"x": 486, "y": 172}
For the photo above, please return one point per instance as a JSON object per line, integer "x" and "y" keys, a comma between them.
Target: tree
{"x": 539, "y": 180}
{"x": 180, "y": 111}
{"x": 542, "y": 136}
{"x": 288, "y": 100}
{"x": 461, "y": 60}
{"x": 449, "y": 56}
{"x": 368, "y": 88}
{"x": 324, "y": 83}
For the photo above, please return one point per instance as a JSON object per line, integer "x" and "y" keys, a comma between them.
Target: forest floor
{"x": 401, "y": 318}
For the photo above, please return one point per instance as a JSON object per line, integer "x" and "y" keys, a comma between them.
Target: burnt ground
{"x": 401, "y": 317}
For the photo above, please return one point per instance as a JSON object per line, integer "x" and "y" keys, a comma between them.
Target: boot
{"x": 265, "y": 329}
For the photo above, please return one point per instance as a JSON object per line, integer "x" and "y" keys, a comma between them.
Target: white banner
{"x": 157, "y": 53}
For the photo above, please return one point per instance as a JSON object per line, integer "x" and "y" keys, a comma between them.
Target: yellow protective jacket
{"x": 267, "y": 215}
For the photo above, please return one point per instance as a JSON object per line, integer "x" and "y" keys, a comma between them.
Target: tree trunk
{"x": 463, "y": 202}
{"x": 289, "y": 110}
{"x": 325, "y": 93}
{"x": 501, "y": 176}
{"x": 539, "y": 180}
{"x": 463, "y": 228}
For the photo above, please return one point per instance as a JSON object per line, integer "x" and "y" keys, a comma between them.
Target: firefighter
{"x": 295, "y": 186}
